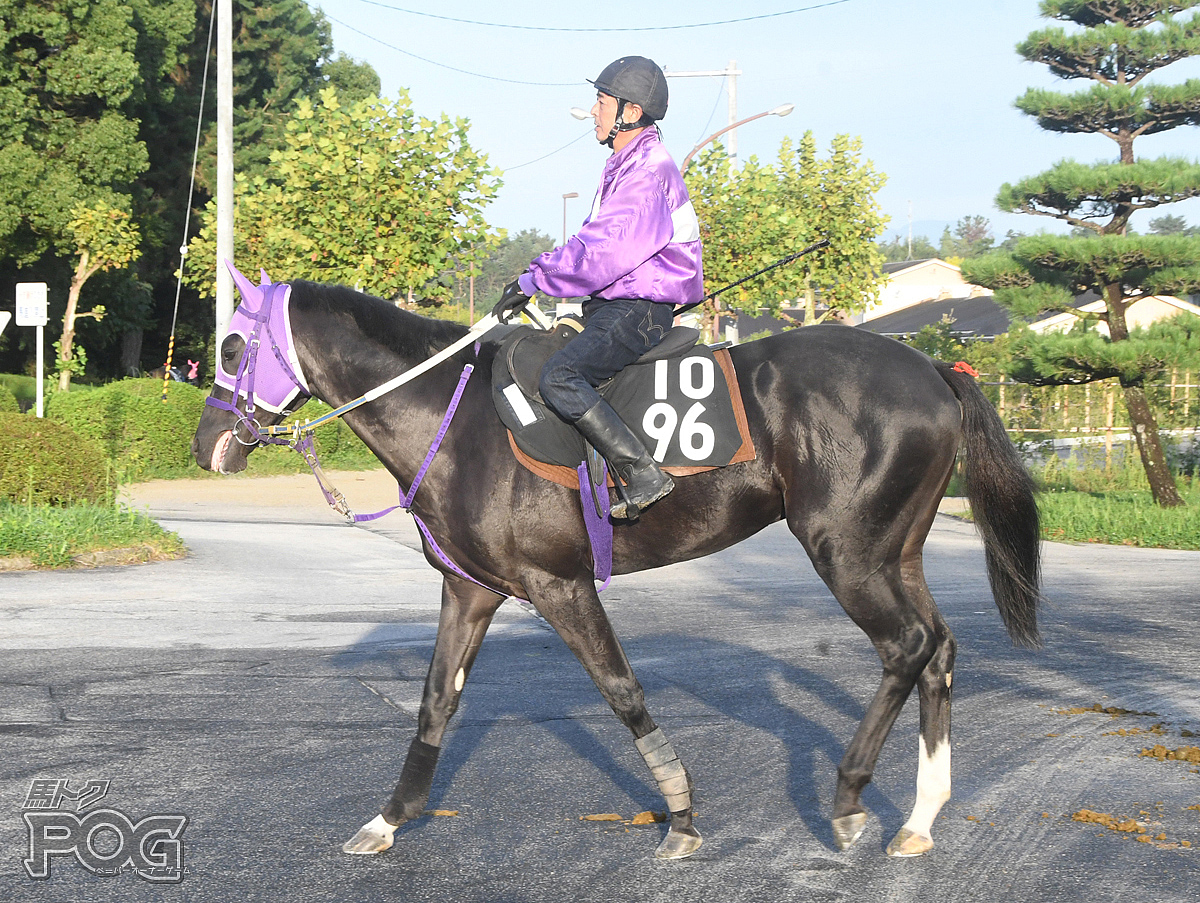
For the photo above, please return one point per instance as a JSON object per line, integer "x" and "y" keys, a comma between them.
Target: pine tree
{"x": 1116, "y": 45}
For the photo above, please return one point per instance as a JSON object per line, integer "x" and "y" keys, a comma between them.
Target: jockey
{"x": 636, "y": 257}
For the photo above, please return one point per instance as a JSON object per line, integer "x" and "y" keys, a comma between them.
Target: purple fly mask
{"x": 269, "y": 381}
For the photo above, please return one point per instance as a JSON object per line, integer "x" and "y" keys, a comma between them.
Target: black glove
{"x": 511, "y": 302}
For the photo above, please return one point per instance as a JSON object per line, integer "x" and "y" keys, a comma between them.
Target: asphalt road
{"x": 266, "y": 688}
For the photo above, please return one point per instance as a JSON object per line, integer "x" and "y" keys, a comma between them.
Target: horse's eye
{"x": 231, "y": 351}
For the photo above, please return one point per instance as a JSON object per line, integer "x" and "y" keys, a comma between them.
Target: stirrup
{"x": 627, "y": 510}
{"x": 623, "y": 508}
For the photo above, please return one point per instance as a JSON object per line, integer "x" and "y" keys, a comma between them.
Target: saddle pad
{"x": 686, "y": 409}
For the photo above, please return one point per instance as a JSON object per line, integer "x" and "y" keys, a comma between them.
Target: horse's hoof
{"x": 848, "y": 829}
{"x": 908, "y": 843}
{"x": 679, "y": 844}
{"x": 373, "y": 837}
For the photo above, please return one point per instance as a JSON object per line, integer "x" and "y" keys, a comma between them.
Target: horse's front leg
{"x": 573, "y": 608}
{"x": 467, "y": 611}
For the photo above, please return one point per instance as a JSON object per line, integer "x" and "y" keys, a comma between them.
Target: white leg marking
{"x": 459, "y": 679}
{"x": 933, "y": 787}
{"x": 373, "y": 837}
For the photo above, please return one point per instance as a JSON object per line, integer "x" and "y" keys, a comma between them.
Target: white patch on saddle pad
{"x": 520, "y": 406}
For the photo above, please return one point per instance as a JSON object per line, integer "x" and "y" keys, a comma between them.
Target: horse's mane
{"x": 400, "y": 331}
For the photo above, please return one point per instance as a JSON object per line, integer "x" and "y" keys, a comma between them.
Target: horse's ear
{"x": 252, "y": 295}
{"x": 264, "y": 279}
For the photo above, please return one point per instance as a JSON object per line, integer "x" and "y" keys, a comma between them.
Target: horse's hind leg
{"x": 933, "y": 768}
{"x": 874, "y": 596}
{"x": 574, "y": 610}
{"x": 467, "y": 611}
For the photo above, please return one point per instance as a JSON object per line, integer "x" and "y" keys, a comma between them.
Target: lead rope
{"x": 337, "y": 501}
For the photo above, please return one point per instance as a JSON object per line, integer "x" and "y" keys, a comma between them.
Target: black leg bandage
{"x": 416, "y": 780}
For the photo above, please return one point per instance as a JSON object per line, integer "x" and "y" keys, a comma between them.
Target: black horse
{"x": 855, "y": 434}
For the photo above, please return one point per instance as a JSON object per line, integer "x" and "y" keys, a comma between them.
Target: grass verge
{"x": 1121, "y": 517}
{"x": 53, "y": 537}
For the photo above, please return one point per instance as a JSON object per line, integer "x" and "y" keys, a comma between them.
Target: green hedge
{"x": 143, "y": 436}
{"x": 337, "y": 447}
{"x": 8, "y": 401}
{"x": 24, "y": 388}
{"x": 146, "y": 438}
{"x": 47, "y": 463}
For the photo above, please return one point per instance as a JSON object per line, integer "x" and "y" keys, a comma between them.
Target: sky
{"x": 928, "y": 85}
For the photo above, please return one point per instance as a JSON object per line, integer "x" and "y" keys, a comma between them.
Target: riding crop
{"x": 824, "y": 242}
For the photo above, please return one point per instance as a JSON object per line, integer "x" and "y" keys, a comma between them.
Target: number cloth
{"x": 686, "y": 409}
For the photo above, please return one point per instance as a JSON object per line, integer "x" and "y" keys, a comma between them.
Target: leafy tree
{"x": 282, "y": 51}
{"x": 1172, "y": 225}
{"x": 1117, "y": 44}
{"x": 972, "y": 237}
{"x": 899, "y": 249}
{"x": 75, "y": 79}
{"x": 753, "y": 216}
{"x": 69, "y": 76}
{"x": 1011, "y": 237}
{"x": 502, "y": 263}
{"x": 941, "y": 341}
{"x": 104, "y": 240}
{"x": 369, "y": 195}
{"x": 115, "y": 342}
{"x": 98, "y": 104}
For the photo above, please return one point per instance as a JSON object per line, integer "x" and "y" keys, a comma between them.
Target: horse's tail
{"x": 1000, "y": 491}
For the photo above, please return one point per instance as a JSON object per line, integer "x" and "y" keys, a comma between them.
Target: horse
{"x": 856, "y": 436}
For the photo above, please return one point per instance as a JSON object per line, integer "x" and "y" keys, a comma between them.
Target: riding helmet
{"x": 638, "y": 80}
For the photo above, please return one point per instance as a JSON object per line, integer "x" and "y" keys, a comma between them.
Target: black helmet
{"x": 638, "y": 80}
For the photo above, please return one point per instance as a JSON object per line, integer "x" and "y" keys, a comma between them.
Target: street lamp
{"x": 566, "y": 197}
{"x": 778, "y": 111}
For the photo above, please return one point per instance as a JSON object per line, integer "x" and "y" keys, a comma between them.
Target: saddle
{"x": 680, "y": 398}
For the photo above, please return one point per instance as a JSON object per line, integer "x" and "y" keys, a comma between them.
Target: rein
{"x": 298, "y": 429}
{"x": 301, "y": 435}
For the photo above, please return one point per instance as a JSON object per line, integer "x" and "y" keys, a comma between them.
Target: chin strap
{"x": 618, "y": 125}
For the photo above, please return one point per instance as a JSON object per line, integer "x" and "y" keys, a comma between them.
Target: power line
{"x": 713, "y": 111}
{"x": 187, "y": 216}
{"x": 511, "y": 81}
{"x": 514, "y": 81}
{"x": 787, "y": 12}
{"x": 551, "y": 154}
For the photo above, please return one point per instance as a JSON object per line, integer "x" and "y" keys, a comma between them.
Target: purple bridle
{"x": 263, "y": 308}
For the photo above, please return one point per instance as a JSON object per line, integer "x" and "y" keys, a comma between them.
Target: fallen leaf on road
{"x": 648, "y": 818}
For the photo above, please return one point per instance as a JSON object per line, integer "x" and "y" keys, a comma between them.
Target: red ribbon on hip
{"x": 964, "y": 367}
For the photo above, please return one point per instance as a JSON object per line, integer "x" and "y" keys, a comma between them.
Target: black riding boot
{"x": 645, "y": 483}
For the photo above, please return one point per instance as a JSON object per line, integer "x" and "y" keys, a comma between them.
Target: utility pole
{"x": 566, "y": 197}
{"x": 910, "y": 230}
{"x": 224, "y": 167}
{"x": 730, "y": 72}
